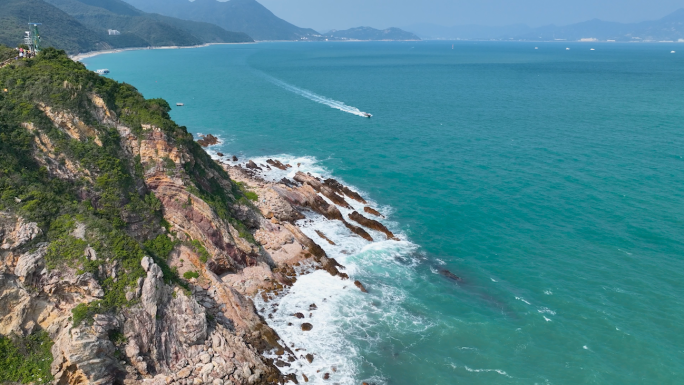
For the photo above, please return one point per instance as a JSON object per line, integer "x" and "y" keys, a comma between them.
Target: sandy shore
{"x": 86, "y": 55}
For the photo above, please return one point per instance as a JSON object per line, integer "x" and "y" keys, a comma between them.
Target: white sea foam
{"x": 314, "y": 96}
{"x": 522, "y": 299}
{"x": 344, "y": 314}
{"x": 546, "y": 310}
{"x": 501, "y": 372}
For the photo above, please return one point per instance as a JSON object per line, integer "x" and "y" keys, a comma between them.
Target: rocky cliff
{"x": 128, "y": 255}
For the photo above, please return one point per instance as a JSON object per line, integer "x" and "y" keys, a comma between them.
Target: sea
{"x": 547, "y": 177}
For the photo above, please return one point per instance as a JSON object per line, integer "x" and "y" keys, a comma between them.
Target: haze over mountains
{"x": 668, "y": 28}
{"x": 246, "y": 16}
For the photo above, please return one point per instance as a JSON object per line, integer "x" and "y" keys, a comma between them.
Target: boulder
{"x": 307, "y": 326}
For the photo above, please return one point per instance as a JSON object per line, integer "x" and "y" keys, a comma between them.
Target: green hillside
{"x": 142, "y": 29}
{"x": 81, "y": 26}
{"x": 247, "y": 16}
{"x": 58, "y": 29}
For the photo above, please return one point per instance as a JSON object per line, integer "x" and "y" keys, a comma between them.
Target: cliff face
{"x": 128, "y": 255}
{"x": 105, "y": 203}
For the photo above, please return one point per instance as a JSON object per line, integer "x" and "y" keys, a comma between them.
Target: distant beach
{"x": 90, "y": 54}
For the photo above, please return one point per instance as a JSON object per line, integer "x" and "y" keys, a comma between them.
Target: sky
{"x": 324, "y": 15}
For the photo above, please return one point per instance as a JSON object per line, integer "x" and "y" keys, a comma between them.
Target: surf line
{"x": 317, "y": 98}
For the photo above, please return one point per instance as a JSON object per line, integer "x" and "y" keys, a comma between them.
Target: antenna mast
{"x": 32, "y": 38}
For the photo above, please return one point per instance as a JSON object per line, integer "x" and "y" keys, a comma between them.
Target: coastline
{"x": 86, "y": 55}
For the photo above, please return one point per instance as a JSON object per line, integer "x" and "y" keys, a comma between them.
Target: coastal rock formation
{"x": 207, "y": 140}
{"x": 136, "y": 253}
{"x": 371, "y": 224}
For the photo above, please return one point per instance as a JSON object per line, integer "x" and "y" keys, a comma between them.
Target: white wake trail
{"x": 315, "y": 97}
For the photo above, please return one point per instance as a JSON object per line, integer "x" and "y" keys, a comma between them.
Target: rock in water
{"x": 207, "y": 140}
{"x": 310, "y": 357}
{"x": 307, "y": 326}
{"x": 360, "y": 286}
{"x": 371, "y": 224}
{"x": 299, "y": 315}
{"x": 372, "y": 211}
{"x": 358, "y": 231}
{"x": 449, "y": 275}
{"x": 235, "y": 158}
{"x": 320, "y": 234}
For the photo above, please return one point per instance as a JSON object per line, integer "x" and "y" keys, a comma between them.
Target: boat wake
{"x": 317, "y": 98}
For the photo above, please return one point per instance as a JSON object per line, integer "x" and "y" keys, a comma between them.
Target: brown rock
{"x": 299, "y": 315}
{"x": 326, "y": 376}
{"x": 235, "y": 158}
{"x": 358, "y": 231}
{"x": 220, "y": 154}
{"x": 277, "y": 164}
{"x": 207, "y": 140}
{"x": 252, "y": 165}
{"x": 371, "y": 224}
{"x": 320, "y": 234}
{"x": 372, "y": 211}
{"x": 342, "y": 189}
{"x": 310, "y": 357}
{"x": 307, "y": 326}
{"x": 360, "y": 286}
{"x": 306, "y": 379}
{"x": 313, "y": 306}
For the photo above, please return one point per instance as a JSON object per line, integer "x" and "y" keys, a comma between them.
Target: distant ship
{"x": 180, "y": 104}
{"x": 102, "y": 71}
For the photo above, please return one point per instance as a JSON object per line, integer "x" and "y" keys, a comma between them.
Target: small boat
{"x": 102, "y": 71}
{"x": 180, "y": 104}
{"x": 592, "y": 49}
{"x": 366, "y": 114}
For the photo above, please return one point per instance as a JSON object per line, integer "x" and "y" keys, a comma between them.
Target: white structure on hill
{"x": 113, "y": 32}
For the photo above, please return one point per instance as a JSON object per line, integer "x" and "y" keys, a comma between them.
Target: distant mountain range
{"x": 246, "y": 16}
{"x": 368, "y": 33}
{"x": 669, "y": 28}
{"x": 82, "y": 25}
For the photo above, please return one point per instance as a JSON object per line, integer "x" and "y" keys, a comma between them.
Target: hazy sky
{"x": 340, "y": 14}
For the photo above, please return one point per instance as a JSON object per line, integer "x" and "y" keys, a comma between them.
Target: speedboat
{"x": 366, "y": 114}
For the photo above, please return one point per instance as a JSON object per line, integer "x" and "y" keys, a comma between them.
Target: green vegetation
{"x": 26, "y": 359}
{"x": 190, "y": 275}
{"x": 246, "y": 16}
{"x": 104, "y": 205}
{"x": 7, "y": 53}
{"x": 58, "y": 29}
{"x": 81, "y": 26}
{"x": 204, "y": 255}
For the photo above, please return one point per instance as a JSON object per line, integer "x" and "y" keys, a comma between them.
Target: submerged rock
{"x": 360, "y": 286}
{"x": 449, "y": 275}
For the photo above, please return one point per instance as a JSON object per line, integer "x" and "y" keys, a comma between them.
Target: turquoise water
{"x": 550, "y": 180}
